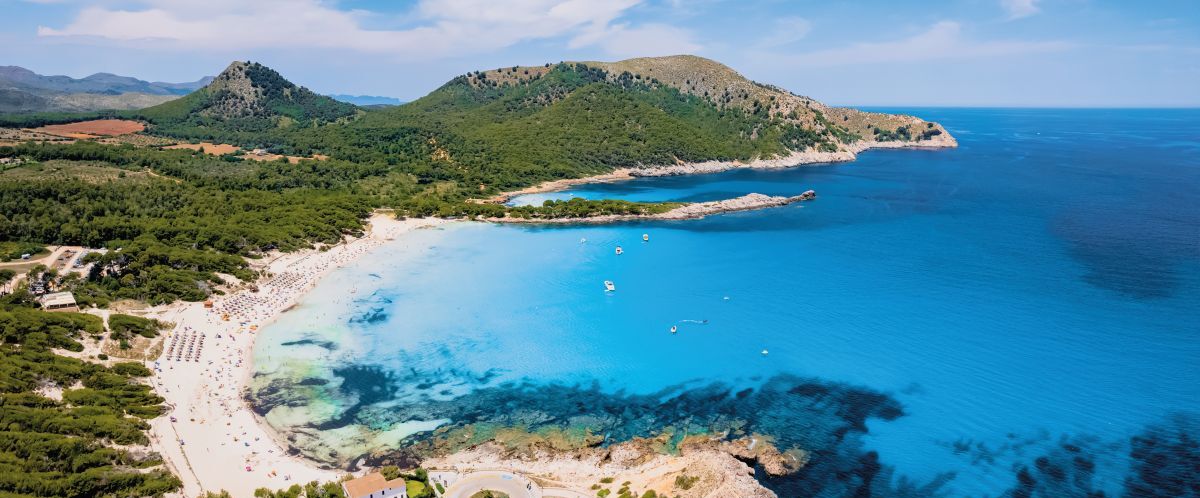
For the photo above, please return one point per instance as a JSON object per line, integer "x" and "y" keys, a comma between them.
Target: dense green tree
{"x": 62, "y": 448}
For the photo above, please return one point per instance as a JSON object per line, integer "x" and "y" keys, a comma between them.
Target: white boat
{"x": 764, "y": 352}
{"x": 674, "y": 328}
{"x": 645, "y": 237}
{"x": 583, "y": 240}
{"x": 609, "y": 286}
{"x": 620, "y": 251}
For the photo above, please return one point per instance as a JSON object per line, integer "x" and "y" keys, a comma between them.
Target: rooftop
{"x": 371, "y": 484}
{"x": 58, "y": 300}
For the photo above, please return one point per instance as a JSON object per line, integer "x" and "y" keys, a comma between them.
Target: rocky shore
{"x": 800, "y": 158}
{"x": 702, "y": 465}
{"x": 690, "y": 211}
{"x": 797, "y": 158}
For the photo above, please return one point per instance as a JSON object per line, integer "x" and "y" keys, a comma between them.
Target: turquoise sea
{"x": 1019, "y": 316}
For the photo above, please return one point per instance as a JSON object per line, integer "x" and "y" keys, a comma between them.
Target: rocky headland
{"x": 697, "y": 466}
{"x": 794, "y": 159}
{"x": 689, "y": 211}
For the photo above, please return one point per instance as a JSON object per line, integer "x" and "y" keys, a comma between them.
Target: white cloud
{"x": 442, "y": 28}
{"x": 1020, "y": 8}
{"x": 786, "y": 30}
{"x": 943, "y": 40}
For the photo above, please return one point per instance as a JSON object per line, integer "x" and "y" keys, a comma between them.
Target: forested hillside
{"x": 247, "y": 103}
{"x": 510, "y": 127}
{"x": 91, "y": 442}
{"x": 177, "y": 217}
{"x": 571, "y": 121}
{"x": 176, "y": 220}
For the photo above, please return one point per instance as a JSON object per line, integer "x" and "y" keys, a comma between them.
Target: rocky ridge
{"x": 726, "y": 88}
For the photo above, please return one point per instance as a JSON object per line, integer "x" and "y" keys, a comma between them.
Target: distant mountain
{"x": 366, "y": 100}
{"x": 246, "y": 98}
{"x": 22, "y": 90}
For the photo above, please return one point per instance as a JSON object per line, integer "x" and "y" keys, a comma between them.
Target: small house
{"x": 374, "y": 485}
{"x": 59, "y": 301}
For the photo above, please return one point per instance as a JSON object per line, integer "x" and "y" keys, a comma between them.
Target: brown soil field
{"x": 94, "y": 128}
{"x": 209, "y": 148}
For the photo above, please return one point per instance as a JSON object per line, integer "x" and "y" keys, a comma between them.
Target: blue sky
{"x": 966, "y": 52}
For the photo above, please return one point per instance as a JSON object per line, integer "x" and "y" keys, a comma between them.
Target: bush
{"x": 125, "y": 326}
{"x": 68, "y": 448}
{"x": 685, "y": 482}
{"x": 390, "y": 472}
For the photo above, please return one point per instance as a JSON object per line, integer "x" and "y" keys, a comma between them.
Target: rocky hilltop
{"x": 848, "y": 130}
{"x": 245, "y": 97}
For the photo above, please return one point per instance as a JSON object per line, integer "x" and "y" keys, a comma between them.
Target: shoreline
{"x": 795, "y": 159}
{"x": 207, "y": 385}
{"x": 247, "y": 453}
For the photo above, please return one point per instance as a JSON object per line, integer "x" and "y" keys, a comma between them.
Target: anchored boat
{"x": 609, "y": 286}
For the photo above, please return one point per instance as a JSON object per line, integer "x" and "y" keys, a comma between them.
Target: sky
{"x": 1026, "y": 53}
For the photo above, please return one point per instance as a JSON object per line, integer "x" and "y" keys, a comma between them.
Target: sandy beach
{"x": 210, "y": 438}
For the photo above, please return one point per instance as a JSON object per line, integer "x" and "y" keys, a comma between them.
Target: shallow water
{"x": 1039, "y": 285}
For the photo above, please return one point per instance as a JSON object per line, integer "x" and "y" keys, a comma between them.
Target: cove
{"x": 970, "y": 322}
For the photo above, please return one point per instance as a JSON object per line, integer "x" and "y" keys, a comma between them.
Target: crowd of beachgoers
{"x": 210, "y": 437}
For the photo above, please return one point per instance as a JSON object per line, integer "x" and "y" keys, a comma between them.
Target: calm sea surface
{"x": 1030, "y": 300}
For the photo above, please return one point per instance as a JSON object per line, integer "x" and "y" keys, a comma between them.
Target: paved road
{"x": 505, "y": 482}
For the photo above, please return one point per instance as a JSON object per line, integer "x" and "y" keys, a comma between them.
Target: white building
{"x": 373, "y": 485}
{"x": 59, "y": 301}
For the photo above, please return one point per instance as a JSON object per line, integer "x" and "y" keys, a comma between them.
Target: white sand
{"x": 215, "y": 435}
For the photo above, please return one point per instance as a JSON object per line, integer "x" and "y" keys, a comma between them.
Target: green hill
{"x": 510, "y": 127}
{"x": 246, "y": 102}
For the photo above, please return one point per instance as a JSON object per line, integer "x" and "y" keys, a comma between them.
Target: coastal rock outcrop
{"x": 798, "y": 158}
{"x": 758, "y": 448}
{"x": 704, "y": 466}
{"x": 744, "y": 203}
{"x": 690, "y": 211}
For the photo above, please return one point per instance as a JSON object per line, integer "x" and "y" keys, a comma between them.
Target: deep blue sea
{"x": 1021, "y": 313}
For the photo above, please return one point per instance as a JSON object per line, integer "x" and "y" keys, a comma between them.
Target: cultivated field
{"x": 16, "y": 136}
{"x": 94, "y": 128}
{"x": 209, "y": 148}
